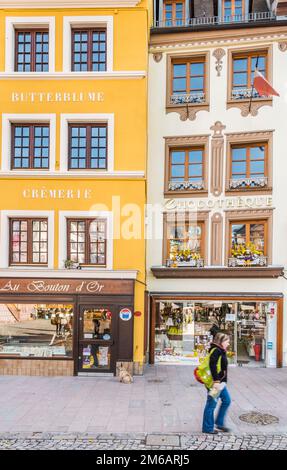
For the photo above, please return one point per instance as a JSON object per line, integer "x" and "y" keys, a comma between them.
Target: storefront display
{"x": 182, "y": 330}
{"x": 44, "y": 330}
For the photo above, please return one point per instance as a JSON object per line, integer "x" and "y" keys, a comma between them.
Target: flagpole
{"x": 252, "y": 89}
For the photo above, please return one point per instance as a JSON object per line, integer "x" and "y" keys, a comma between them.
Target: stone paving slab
{"x": 166, "y": 399}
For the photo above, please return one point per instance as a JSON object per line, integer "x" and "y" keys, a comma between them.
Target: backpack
{"x": 202, "y": 373}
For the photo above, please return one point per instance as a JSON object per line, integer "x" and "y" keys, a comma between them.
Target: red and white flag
{"x": 262, "y": 86}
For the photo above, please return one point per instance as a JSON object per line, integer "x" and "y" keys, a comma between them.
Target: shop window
{"x": 28, "y": 241}
{"x": 186, "y": 169}
{"x": 188, "y": 81}
{"x": 185, "y": 243}
{"x": 248, "y": 166}
{"x": 89, "y": 50}
{"x": 248, "y": 243}
{"x": 173, "y": 12}
{"x": 32, "y": 51}
{"x": 87, "y": 241}
{"x": 183, "y": 330}
{"x": 88, "y": 147}
{"x": 34, "y": 330}
{"x": 30, "y": 146}
{"x": 243, "y": 68}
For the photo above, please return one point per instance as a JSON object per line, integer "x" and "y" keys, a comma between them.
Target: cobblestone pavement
{"x": 141, "y": 441}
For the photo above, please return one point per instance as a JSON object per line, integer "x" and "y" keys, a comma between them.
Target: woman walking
{"x": 218, "y": 367}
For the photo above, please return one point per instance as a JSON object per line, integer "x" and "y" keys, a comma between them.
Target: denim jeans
{"x": 208, "y": 415}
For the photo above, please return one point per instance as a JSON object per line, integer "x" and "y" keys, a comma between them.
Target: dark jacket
{"x": 217, "y": 353}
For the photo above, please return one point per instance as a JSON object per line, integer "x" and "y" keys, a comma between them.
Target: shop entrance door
{"x": 251, "y": 326}
{"x": 97, "y": 332}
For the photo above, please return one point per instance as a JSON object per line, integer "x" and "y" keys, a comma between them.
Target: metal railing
{"x": 244, "y": 261}
{"x": 185, "y": 98}
{"x": 218, "y": 20}
{"x": 193, "y": 263}
{"x": 253, "y": 182}
{"x": 185, "y": 185}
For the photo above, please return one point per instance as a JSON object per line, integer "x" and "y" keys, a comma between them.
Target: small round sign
{"x": 125, "y": 314}
{"x": 137, "y": 314}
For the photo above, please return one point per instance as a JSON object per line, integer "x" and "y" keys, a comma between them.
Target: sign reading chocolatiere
{"x": 65, "y": 286}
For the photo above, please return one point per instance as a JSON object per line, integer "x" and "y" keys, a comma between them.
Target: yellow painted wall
{"x": 127, "y": 99}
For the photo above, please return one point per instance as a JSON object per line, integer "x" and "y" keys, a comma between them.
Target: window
{"x": 248, "y": 243}
{"x": 185, "y": 241}
{"x": 30, "y": 146}
{"x": 32, "y": 51}
{"x": 88, "y": 146}
{"x": 174, "y": 13}
{"x": 249, "y": 165}
{"x": 87, "y": 241}
{"x": 188, "y": 80}
{"x": 89, "y": 50}
{"x": 243, "y": 68}
{"x": 29, "y": 241}
{"x": 36, "y": 330}
{"x": 186, "y": 168}
{"x": 232, "y": 8}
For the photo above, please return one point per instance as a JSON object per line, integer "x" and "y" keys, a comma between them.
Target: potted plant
{"x": 70, "y": 264}
{"x": 247, "y": 255}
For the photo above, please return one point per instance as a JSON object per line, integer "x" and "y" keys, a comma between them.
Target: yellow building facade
{"x": 73, "y": 94}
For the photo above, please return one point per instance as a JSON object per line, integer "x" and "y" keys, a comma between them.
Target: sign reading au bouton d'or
{"x": 65, "y": 286}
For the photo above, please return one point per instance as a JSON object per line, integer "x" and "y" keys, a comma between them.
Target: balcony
{"x": 213, "y": 21}
{"x": 186, "y": 185}
{"x": 248, "y": 183}
{"x": 194, "y": 98}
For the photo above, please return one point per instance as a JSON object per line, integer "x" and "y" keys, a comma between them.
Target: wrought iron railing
{"x": 218, "y": 20}
{"x": 185, "y": 185}
{"x": 244, "y": 261}
{"x": 244, "y": 93}
{"x": 193, "y": 263}
{"x": 185, "y": 98}
{"x": 253, "y": 182}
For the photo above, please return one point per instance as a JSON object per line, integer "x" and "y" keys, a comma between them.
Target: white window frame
{"x": 67, "y": 119}
{"x": 63, "y": 236}
{"x": 5, "y": 242}
{"x": 70, "y": 22}
{"x": 16, "y": 22}
{"x": 7, "y": 120}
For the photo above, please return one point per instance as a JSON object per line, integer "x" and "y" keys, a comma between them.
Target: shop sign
{"x": 65, "y": 286}
{"x": 45, "y": 193}
{"x": 125, "y": 314}
{"x": 137, "y": 314}
{"x": 269, "y": 345}
{"x": 227, "y": 203}
{"x": 57, "y": 97}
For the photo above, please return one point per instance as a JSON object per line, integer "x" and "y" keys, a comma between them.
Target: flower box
{"x": 247, "y": 261}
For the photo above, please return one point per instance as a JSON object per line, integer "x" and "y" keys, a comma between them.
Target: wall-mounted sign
{"x": 269, "y": 345}
{"x": 222, "y": 203}
{"x": 45, "y": 193}
{"x": 57, "y": 97}
{"x": 137, "y": 314}
{"x": 65, "y": 286}
{"x": 125, "y": 314}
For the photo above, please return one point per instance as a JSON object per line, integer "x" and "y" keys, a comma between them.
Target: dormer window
{"x": 232, "y": 9}
{"x": 173, "y": 12}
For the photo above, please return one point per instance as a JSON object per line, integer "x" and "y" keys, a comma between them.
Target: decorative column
{"x": 216, "y": 239}
{"x": 217, "y": 152}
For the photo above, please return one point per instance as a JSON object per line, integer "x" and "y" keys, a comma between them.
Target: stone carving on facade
{"x": 246, "y": 109}
{"x": 157, "y": 57}
{"x": 216, "y": 239}
{"x": 217, "y": 150}
{"x": 282, "y": 46}
{"x": 219, "y": 54}
{"x": 187, "y": 112}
